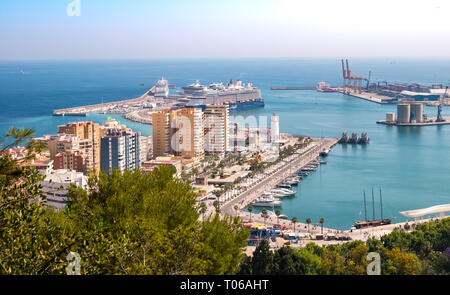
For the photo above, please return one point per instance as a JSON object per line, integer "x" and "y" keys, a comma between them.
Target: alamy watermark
{"x": 237, "y": 133}
{"x": 74, "y": 267}
{"x": 374, "y": 267}
{"x": 74, "y": 8}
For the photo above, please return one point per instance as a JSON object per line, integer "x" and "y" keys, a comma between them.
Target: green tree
{"x": 308, "y": 221}
{"x": 322, "y": 221}
{"x": 262, "y": 263}
{"x": 294, "y": 221}
{"x": 203, "y": 208}
{"x": 30, "y": 241}
{"x": 250, "y": 209}
{"x": 216, "y": 205}
{"x": 264, "y": 213}
{"x": 278, "y": 213}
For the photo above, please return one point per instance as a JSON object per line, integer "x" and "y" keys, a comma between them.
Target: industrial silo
{"x": 403, "y": 113}
{"x": 416, "y": 112}
{"x": 390, "y": 117}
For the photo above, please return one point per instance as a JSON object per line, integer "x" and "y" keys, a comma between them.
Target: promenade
{"x": 268, "y": 180}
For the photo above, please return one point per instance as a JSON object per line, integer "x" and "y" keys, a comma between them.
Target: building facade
{"x": 120, "y": 150}
{"x": 178, "y": 132}
{"x": 70, "y": 160}
{"x": 216, "y": 130}
{"x": 86, "y": 131}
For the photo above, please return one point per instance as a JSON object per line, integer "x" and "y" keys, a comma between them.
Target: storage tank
{"x": 403, "y": 113}
{"x": 416, "y": 112}
{"x": 390, "y": 117}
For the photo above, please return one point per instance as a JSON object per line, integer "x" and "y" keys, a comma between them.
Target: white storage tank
{"x": 403, "y": 113}
{"x": 390, "y": 117}
{"x": 416, "y": 113}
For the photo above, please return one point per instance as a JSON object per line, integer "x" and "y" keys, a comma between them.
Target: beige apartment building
{"x": 86, "y": 131}
{"x": 178, "y": 132}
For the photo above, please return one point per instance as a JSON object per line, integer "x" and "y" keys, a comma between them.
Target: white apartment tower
{"x": 216, "y": 129}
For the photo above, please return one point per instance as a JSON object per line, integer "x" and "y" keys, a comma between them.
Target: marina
{"x": 277, "y": 176}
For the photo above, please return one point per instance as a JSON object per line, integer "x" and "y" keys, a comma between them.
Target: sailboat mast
{"x": 373, "y": 206}
{"x": 381, "y": 205}
{"x": 365, "y": 208}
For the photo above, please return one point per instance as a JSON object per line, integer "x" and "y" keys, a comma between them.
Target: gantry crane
{"x": 439, "y": 115}
{"x": 351, "y": 80}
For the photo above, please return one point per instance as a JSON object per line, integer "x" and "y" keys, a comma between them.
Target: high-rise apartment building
{"x": 178, "y": 132}
{"x": 120, "y": 148}
{"x": 86, "y": 131}
{"x": 216, "y": 130}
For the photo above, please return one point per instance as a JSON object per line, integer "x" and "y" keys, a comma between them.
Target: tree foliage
{"x": 125, "y": 223}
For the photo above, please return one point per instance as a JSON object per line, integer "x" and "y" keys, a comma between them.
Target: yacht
{"x": 267, "y": 200}
{"x": 292, "y": 180}
{"x": 284, "y": 185}
{"x": 283, "y": 192}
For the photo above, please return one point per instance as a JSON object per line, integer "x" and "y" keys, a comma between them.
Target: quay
{"x": 266, "y": 181}
{"x": 372, "y": 97}
{"x": 104, "y": 107}
{"x": 294, "y": 88}
{"x": 430, "y": 122}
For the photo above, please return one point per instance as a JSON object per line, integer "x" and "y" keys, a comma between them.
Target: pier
{"x": 430, "y": 122}
{"x": 117, "y": 106}
{"x": 372, "y": 97}
{"x": 294, "y": 88}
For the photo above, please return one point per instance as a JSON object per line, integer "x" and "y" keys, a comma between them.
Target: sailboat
{"x": 374, "y": 222}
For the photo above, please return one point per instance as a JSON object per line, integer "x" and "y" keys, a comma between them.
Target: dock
{"x": 430, "y": 122}
{"x": 103, "y": 107}
{"x": 372, "y": 97}
{"x": 294, "y": 88}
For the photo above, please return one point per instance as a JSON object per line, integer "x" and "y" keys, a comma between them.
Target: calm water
{"x": 409, "y": 163}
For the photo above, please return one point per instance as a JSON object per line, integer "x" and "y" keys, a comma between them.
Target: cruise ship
{"x": 162, "y": 88}
{"x": 238, "y": 96}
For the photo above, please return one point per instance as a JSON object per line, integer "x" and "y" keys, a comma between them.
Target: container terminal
{"x": 381, "y": 92}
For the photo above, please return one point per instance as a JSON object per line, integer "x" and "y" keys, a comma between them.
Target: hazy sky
{"x": 41, "y": 29}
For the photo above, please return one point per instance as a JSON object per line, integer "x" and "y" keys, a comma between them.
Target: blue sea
{"x": 410, "y": 164}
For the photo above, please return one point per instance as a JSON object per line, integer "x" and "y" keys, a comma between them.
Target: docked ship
{"x": 238, "y": 96}
{"x": 323, "y": 86}
{"x": 366, "y": 223}
{"x": 162, "y": 88}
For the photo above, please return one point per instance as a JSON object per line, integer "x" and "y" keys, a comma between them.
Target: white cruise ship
{"x": 162, "y": 88}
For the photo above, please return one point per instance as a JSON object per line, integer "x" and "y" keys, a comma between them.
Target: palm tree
{"x": 308, "y": 221}
{"x": 216, "y": 205}
{"x": 250, "y": 209}
{"x": 278, "y": 213}
{"x": 203, "y": 209}
{"x": 322, "y": 221}
{"x": 294, "y": 221}
{"x": 264, "y": 213}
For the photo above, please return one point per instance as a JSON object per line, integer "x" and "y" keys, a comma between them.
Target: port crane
{"x": 439, "y": 115}
{"x": 351, "y": 80}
